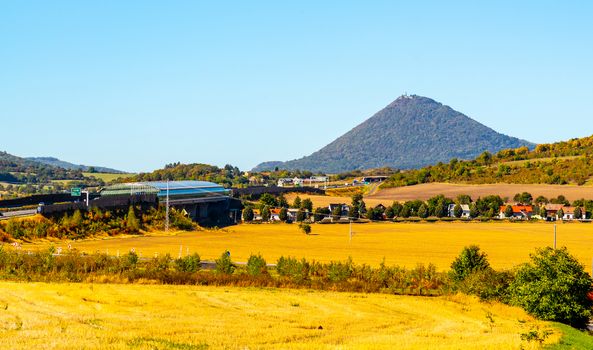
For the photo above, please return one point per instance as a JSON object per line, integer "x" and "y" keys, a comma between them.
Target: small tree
{"x": 423, "y": 211}
{"x": 474, "y": 212}
{"x": 297, "y": 202}
{"x": 283, "y": 215}
{"x": 132, "y": 222}
{"x": 306, "y": 228}
{"x": 578, "y": 213}
{"x": 457, "y": 210}
{"x": 560, "y": 214}
{"x": 508, "y": 211}
{"x": 256, "y": 265}
{"x": 469, "y": 261}
{"x": 76, "y": 219}
{"x": 555, "y": 287}
{"x": 300, "y": 215}
{"x": 282, "y": 202}
{"x": 307, "y": 204}
{"x": 224, "y": 264}
{"x": 248, "y": 214}
{"x": 265, "y": 214}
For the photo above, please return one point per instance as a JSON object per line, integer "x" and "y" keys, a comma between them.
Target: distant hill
{"x": 411, "y": 132}
{"x": 71, "y": 166}
{"x": 15, "y": 169}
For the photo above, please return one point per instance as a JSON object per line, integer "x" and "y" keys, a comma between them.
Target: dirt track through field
{"x": 425, "y": 191}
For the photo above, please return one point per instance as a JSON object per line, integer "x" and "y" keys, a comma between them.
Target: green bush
{"x": 256, "y": 265}
{"x": 190, "y": 263}
{"x": 224, "y": 264}
{"x": 338, "y": 271}
{"x": 487, "y": 284}
{"x": 297, "y": 271}
{"x": 470, "y": 260}
{"x": 555, "y": 287}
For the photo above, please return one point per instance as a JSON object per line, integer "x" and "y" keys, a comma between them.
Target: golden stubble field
{"x": 106, "y": 316}
{"x": 425, "y": 191}
{"x": 405, "y": 244}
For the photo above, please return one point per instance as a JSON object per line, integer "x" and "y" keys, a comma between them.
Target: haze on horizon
{"x": 136, "y": 85}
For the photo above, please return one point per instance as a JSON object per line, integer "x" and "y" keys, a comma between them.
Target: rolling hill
{"x": 411, "y": 132}
{"x": 71, "y": 166}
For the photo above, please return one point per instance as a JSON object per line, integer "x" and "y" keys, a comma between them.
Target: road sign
{"x": 75, "y": 192}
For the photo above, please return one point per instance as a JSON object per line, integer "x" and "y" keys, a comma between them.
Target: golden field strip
{"x": 425, "y": 191}
{"x": 107, "y": 316}
{"x": 405, "y": 244}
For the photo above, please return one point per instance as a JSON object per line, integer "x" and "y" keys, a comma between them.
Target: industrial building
{"x": 205, "y": 202}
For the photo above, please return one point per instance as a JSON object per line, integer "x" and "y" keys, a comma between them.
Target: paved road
{"x": 17, "y": 213}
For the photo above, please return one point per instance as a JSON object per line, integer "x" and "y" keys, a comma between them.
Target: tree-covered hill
{"x": 567, "y": 162}
{"x": 20, "y": 170}
{"x": 411, "y": 132}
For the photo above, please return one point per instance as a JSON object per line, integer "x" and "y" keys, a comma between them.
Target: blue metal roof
{"x": 176, "y": 188}
{"x": 177, "y": 185}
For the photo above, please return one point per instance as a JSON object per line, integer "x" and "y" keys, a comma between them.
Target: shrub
{"x": 297, "y": 271}
{"x": 306, "y": 228}
{"x": 256, "y": 265}
{"x": 487, "y": 284}
{"x": 190, "y": 263}
{"x": 338, "y": 271}
{"x": 554, "y": 286}
{"x": 224, "y": 264}
{"x": 469, "y": 261}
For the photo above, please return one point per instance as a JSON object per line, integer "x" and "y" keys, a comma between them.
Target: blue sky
{"x": 138, "y": 84}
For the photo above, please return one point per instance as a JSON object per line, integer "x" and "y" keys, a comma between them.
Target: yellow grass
{"x": 404, "y": 244}
{"x": 87, "y": 316}
{"x": 425, "y": 191}
{"x": 107, "y": 177}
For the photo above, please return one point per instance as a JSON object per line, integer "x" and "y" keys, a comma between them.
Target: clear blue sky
{"x": 138, "y": 84}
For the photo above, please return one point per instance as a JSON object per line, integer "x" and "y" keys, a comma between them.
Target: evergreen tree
{"x": 297, "y": 202}
{"x": 248, "y": 214}
{"x": 132, "y": 222}
{"x": 265, "y": 214}
{"x": 283, "y": 215}
{"x": 423, "y": 211}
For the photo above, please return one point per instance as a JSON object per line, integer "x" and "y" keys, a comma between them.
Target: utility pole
{"x": 350, "y": 230}
{"x": 167, "y": 209}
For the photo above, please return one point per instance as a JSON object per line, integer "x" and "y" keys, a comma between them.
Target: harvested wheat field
{"x": 104, "y": 316}
{"x": 405, "y": 244}
{"x": 425, "y": 191}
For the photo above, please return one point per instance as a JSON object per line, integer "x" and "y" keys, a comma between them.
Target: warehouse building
{"x": 205, "y": 202}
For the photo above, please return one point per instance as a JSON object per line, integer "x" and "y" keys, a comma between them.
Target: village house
{"x": 275, "y": 214}
{"x": 344, "y": 209}
{"x": 568, "y": 212}
{"x": 464, "y": 210}
{"x": 521, "y": 212}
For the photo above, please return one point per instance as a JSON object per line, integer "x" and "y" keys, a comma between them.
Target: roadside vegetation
{"x": 82, "y": 224}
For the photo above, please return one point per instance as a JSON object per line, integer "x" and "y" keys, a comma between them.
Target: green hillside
{"x": 567, "y": 162}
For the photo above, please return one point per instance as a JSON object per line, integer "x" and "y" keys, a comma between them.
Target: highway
{"x": 17, "y": 213}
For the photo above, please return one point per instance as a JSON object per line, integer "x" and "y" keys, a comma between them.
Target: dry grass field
{"x": 425, "y": 191}
{"x": 107, "y": 177}
{"x": 106, "y": 316}
{"x": 404, "y": 244}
